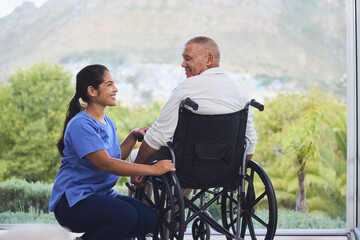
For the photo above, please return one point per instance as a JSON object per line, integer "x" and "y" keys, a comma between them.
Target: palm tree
{"x": 301, "y": 145}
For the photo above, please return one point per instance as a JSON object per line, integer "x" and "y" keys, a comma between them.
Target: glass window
{"x": 290, "y": 55}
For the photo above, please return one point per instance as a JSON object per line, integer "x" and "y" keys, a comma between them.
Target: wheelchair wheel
{"x": 258, "y": 210}
{"x": 200, "y": 230}
{"x": 167, "y": 201}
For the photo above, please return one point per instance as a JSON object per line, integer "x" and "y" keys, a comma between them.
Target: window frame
{"x": 353, "y": 65}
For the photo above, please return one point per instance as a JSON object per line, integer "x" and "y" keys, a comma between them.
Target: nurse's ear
{"x": 92, "y": 92}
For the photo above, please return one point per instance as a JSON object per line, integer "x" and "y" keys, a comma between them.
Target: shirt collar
{"x": 215, "y": 70}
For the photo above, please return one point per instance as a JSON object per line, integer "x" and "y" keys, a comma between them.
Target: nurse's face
{"x": 107, "y": 91}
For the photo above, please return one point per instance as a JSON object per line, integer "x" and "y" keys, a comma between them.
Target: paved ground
{"x": 222, "y": 237}
{"x": 42, "y": 232}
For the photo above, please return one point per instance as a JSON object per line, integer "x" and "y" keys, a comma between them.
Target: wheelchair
{"x": 209, "y": 153}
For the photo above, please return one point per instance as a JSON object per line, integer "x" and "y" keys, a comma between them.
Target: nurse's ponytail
{"x": 92, "y": 75}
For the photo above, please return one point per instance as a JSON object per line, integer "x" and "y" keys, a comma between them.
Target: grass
{"x": 33, "y": 216}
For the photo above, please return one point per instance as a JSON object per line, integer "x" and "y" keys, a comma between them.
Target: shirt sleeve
{"x": 164, "y": 127}
{"x": 251, "y": 133}
{"x": 84, "y": 138}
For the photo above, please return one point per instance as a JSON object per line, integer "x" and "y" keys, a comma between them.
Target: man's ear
{"x": 209, "y": 60}
{"x": 92, "y": 92}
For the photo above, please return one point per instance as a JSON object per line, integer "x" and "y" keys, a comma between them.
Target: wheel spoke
{"x": 256, "y": 181}
{"x": 259, "y": 220}
{"x": 251, "y": 228}
{"x": 243, "y": 227}
{"x": 147, "y": 199}
{"x": 167, "y": 201}
{"x": 258, "y": 199}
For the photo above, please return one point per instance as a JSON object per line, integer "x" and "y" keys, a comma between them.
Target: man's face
{"x": 195, "y": 59}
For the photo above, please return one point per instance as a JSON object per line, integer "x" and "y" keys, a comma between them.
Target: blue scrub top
{"x": 79, "y": 178}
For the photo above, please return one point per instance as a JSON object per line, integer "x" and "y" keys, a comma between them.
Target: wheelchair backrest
{"x": 209, "y": 149}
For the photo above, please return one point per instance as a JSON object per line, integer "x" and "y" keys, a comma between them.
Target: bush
{"x": 288, "y": 219}
{"x": 23, "y": 202}
{"x": 18, "y": 195}
{"x": 297, "y": 220}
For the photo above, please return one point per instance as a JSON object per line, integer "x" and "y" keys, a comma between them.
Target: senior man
{"x": 208, "y": 85}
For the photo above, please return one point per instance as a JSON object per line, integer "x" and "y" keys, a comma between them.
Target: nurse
{"x": 82, "y": 197}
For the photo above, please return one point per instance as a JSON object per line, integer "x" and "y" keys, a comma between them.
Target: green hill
{"x": 288, "y": 39}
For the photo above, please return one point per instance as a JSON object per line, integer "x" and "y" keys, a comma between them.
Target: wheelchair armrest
{"x": 190, "y": 103}
{"x": 257, "y": 105}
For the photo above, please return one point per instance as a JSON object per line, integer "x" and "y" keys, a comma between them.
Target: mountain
{"x": 290, "y": 40}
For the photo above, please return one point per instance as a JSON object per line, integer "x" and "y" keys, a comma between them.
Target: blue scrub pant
{"x": 104, "y": 217}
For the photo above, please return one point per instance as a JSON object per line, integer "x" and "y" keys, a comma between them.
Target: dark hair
{"x": 92, "y": 75}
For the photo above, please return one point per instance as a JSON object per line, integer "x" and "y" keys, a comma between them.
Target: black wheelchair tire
{"x": 267, "y": 197}
{"x": 167, "y": 201}
{"x": 200, "y": 230}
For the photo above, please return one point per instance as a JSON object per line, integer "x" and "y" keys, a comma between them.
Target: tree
{"x": 301, "y": 145}
{"x": 293, "y": 124}
{"x": 33, "y": 105}
{"x": 129, "y": 118}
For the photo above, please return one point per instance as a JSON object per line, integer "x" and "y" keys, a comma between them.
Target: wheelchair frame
{"x": 239, "y": 206}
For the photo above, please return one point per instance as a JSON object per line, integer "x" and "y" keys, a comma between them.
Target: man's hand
{"x": 138, "y": 181}
{"x": 140, "y": 131}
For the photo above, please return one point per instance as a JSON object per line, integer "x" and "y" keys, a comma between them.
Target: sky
{"x": 7, "y": 6}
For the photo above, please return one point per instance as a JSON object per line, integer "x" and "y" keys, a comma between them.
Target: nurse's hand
{"x": 162, "y": 167}
{"x": 159, "y": 168}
